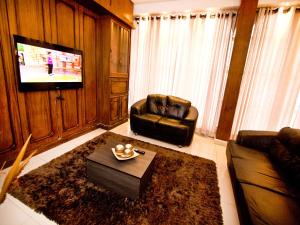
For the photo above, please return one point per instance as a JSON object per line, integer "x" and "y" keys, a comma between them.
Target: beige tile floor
{"x": 14, "y": 212}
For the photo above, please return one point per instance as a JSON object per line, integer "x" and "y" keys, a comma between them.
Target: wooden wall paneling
{"x": 99, "y": 69}
{"x": 10, "y": 129}
{"x": 104, "y": 57}
{"x": 36, "y": 112}
{"x": 90, "y": 84}
{"x": 40, "y": 113}
{"x": 66, "y": 25}
{"x": 49, "y": 34}
{"x": 245, "y": 21}
{"x": 7, "y": 141}
{"x": 78, "y": 45}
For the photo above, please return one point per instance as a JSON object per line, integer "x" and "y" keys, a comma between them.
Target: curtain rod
{"x": 192, "y": 16}
{"x": 212, "y": 10}
{"x": 228, "y": 9}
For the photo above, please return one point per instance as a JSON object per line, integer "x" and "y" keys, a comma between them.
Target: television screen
{"x": 42, "y": 65}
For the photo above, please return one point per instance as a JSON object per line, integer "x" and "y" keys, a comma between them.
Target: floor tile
{"x": 68, "y": 146}
{"x": 34, "y": 163}
{"x": 230, "y": 216}
{"x": 10, "y": 214}
{"x": 30, "y": 221}
{"x": 34, "y": 216}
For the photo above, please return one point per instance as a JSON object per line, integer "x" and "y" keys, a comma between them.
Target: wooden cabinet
{"x": 118, "y": 109}
{"x": 50, "y": 116}
{"x": 115, "y": 39}
{"x": 55, "y": 116}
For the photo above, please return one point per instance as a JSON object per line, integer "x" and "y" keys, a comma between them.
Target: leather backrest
{"x": 157, "y": 104}
{"x": 290, "y": 137}
{"x": 177, "y": 107}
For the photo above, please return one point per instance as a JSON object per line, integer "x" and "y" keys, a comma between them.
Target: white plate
{"x": 135, "y": 154}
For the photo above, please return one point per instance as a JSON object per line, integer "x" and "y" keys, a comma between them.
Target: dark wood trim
{"x": 245, "y": 21}
{"x": 111, "y": 126}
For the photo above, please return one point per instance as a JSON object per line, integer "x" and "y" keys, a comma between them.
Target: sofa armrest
{"x": 139, "y": 107}
{"x": 260, "y": 140}
{"x": 192, "y": 115}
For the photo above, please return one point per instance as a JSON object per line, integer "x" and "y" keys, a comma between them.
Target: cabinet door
{"x": 124, "y": 107}
{"x": 37, "y": 109}
{"x": 70, "y": 107}
{"x": 7, "y": 137}
{"x": 90, "y": 75}
{"x": 114, "y": 109}
{"x": 10, "y": 130}
{"x": 119, "y": 58}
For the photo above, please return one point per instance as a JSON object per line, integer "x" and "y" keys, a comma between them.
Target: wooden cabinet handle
{"x": 61, "y": 98}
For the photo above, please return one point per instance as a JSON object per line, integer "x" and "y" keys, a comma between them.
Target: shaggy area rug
{"x": 183, "y": 190}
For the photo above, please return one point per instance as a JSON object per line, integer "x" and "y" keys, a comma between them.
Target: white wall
{"x": 161, "y": 6}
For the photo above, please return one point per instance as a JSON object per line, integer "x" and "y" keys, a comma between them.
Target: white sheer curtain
{"x": 186, "y": 57}
{"x": 270, "y": 92}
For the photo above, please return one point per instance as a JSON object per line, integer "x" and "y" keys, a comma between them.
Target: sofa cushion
{"x": 261, "y": 174}
{"x": 173, "y": 129}
{"x": 146, "y": 121}
{"x": 157, "y": 104}
{"x": 254, "y": 167}
{"x": 268, "y": 207}
{"x": 290, "y": 137}
{"x": 177, "y": 107}
{"x": 287, "y": 160}
{"x": 239, "y": 151}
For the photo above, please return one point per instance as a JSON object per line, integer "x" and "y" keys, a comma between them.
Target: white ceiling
{"x": 161, "y": 6}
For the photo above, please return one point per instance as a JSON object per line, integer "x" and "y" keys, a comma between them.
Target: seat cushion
{"x": 177, "y": 107}
{"x": 146, "y": 121}
{"x": 268, "y": 207}
{"x": 239, "y": 151}
{"x": 254, "y": 167}
{"x": 261, "y": 174}
{"x": 173, "y": 130}
{"x": 157, "y": 104}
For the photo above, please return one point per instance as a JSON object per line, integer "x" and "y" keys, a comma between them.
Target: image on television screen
{"x": 43, "y": 65}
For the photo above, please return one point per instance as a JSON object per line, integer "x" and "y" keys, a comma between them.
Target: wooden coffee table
{"x": 128, "y": 178}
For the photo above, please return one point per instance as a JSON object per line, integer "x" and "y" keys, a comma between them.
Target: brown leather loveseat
{"x": 265, "y": 173}
{"x": 167, "y": 118}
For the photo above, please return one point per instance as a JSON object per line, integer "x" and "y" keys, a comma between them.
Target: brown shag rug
{"x": 183, "y": 190}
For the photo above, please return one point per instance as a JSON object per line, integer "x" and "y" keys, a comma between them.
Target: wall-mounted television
{"x": 44, "y": 66}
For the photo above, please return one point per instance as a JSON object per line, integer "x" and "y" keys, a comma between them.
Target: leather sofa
{"x": 166, "y": 118}
{"x": 265, "y": 172}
